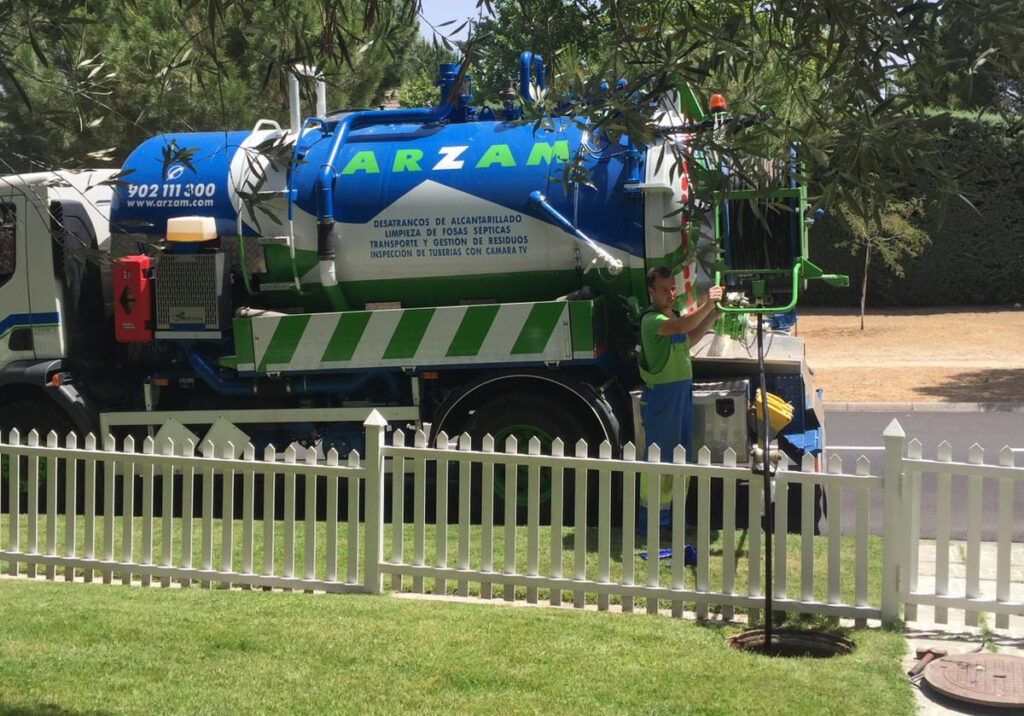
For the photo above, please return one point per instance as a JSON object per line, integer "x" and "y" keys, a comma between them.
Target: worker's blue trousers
{"x": 667, "y": 414}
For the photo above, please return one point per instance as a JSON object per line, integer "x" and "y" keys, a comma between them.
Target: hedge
{"x": 976, "y": 254}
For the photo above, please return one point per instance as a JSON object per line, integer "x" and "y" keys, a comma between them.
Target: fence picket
{"x": 331, "y": 537}
{"x": 863, "y": 469}
{"x": 309, "y": 530}
{"x": 943, "y": 507}
{"x": 912, "y": 513}
{"x": 441, "y": 512}
{"x": 975, "y": 456}
{"x": 269, "y": 488}
{"x": 628, "y": 526}
{"x": 1003, "y": 537}
{"x": 703, "y": 530}
{"x": 288, "y": 551}
{"x": 755, "y": 505}
{"x": 397, "y": 508}
{"x": 128, "y": 511}
{"x": 652, "y": 528}
{"x": 167, "y": 511}
{"x": 52, "y": 489}
{"x": 109, "y": 470}
{"x": 465, "y": 445}
{"x": 678, "y": 528}
{"x": 70, "y": 504}
{"x": 893, "y": 438}
{"x": 352, "y": 558}
{"x": 188, "y": 506}
{"x": 89, "y": 507}
{"x": 557, "y": 504}
{"x": 206, "y": 535}
{"x": 487, "y": 517}
{"x": 373, "y": 475}
{"x": 807, "y": 532}
{"x": 533, "y": 519}
{"x": 780, "y": 571}
{"x": 148, "y": 477}
{"x": 14, "y": 500}
{"x": 248, "y": 507}
{"x": 728, "y": 533}
{"x": 579, "y": 527}
{"x": 419, "y": 539}
{"x": 511, "y": 490}
{"x": 227, "y": 515}
{"x": 834, "y": 497}
{"x": 604, "y": 524}
{"x": 32, "y": 508}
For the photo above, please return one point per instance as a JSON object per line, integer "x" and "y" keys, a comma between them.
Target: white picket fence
{"x": 356, "y": 551}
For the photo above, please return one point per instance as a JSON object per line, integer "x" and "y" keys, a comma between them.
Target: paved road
{"x": 851, "y": 434}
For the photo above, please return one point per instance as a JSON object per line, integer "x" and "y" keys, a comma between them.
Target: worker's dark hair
{"x": 657, "y": 272}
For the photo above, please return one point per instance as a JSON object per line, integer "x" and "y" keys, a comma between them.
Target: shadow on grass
{"x": 43, "y": 709}
{"x": 980, "y": 386}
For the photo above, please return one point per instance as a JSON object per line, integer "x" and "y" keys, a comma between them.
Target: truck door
{"x": 45, "y": 291}
{"x": 17, "y": 341}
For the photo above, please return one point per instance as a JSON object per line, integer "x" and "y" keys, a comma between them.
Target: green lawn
{"x": 96, "y": 648}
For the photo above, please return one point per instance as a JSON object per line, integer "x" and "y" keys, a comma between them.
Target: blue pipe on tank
{"x": 359, "y": 120}
{"x": 527, "y": 62}
{"x": 299, "y": 385}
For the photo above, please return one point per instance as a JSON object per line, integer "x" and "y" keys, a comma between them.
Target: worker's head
{"x": 661, "y": 287}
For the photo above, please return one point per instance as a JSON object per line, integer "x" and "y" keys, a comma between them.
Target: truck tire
{"x": 43, "y": 416}
{"x": 526, "y": 416}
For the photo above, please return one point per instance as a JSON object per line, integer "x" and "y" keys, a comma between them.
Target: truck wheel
{"x": 525, "y": 417}
{"x": 42, "y": 416}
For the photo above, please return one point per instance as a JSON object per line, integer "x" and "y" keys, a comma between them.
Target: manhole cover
{"x": 989, "y": 679}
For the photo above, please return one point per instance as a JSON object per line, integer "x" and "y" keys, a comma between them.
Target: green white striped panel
{"x": 416, "y": 337}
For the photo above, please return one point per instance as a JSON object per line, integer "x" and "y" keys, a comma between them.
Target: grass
{"x": 92, "y": 648}
{"x": 452, "y": 542}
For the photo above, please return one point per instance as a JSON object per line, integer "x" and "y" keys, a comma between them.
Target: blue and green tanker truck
{"x": 276, "y": 284}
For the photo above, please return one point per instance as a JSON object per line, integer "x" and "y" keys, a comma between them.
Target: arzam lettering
{"x": 456, "y": 157}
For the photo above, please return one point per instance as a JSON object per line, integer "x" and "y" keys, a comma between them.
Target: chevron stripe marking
{"x": 346, "y": 336}
{"x": 472, "y": 331}
{"x": 242, "y": 328}
{"x": 285, "y": 340}
{"x": 409, "y": 333}
{"x": 539, "y": 326}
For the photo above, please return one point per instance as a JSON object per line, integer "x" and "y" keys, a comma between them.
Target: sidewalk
{"x": 954, "y": 636}
{"x": 989, "y": 407}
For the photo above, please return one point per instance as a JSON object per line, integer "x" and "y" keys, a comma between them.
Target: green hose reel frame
{"x": 758, "y": 280}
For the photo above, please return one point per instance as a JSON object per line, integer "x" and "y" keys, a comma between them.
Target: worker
{"x": 666, "y": 406}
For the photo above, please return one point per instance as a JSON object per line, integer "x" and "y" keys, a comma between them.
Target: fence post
{"x": 373, "y": 469}
{"x": 892, "y": 523}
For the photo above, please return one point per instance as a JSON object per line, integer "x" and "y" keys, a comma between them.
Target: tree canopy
{"x": 84, "y": 80}
{"x": 849, "y": 82}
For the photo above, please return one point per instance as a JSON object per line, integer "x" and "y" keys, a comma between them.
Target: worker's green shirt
{"x": 663, "y": 359}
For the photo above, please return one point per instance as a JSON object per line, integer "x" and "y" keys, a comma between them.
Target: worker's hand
{"x": 716, "y": 294}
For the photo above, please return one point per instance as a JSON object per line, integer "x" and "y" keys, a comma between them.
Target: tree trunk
{"x": 864, "y": 284}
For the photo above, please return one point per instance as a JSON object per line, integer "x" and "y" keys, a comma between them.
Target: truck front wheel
{"x": 525, "y": 417}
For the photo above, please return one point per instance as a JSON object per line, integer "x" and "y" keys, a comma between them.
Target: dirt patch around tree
{"x": 947, "y": 355}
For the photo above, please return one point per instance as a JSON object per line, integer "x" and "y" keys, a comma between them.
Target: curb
{"x": 925, "y": 407}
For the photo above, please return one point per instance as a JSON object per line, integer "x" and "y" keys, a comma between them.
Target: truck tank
{"x": 423, "y": 213}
